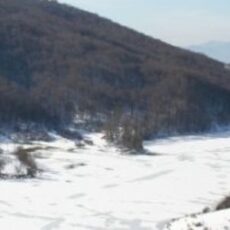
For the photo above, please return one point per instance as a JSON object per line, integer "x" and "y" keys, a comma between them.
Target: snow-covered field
{"x": 98, "y": 188}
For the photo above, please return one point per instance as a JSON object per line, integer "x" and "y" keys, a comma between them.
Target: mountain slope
{"x": 56, "y": 61}
{"x": 217, "y": 50}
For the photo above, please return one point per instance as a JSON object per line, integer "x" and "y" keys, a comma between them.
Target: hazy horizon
{"x": 181, "y": 23}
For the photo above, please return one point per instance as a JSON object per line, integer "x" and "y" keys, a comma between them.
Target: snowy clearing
{"x": 98, "y": 188}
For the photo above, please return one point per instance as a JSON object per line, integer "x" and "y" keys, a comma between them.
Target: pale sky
{"x": 179, "y": 22}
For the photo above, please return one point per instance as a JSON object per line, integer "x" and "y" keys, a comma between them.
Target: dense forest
{"x": 57, "y": 61}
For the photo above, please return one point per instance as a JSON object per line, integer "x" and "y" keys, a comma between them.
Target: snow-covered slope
{"x": 97, "y": 187}
{"x": 216, "y": 220}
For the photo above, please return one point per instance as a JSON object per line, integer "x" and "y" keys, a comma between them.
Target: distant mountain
{"x": 217, "y": 50}
{"x": 57, "y": 61}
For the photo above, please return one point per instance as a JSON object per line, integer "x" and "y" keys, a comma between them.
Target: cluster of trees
{"x": 50, "y": 105}
{"x": 26, "y": 166}
{"x": 125, "y": 129}
{"x": 56, "y": 61}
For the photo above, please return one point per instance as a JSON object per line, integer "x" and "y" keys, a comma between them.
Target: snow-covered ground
{"x": 98, "y": 188}
{"x": 216, "y": 220}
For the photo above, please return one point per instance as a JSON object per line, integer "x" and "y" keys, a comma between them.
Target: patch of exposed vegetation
{"x": 27, "y": 161}
{"x": 24, "y": 164}
{"x": 73, "y": 166}
{"x": 2, "y": 165}
{"x": 224, "y": 204}
{"x": 70, "y": 134}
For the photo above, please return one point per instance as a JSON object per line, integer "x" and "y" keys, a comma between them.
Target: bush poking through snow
{"x": 27, "y": 161}
{"x": 79, "y": 144}
{"x": 224, "y": 204}
{"x": 206, "y": 210}
{"x": 70, "y": 134}
{"x": 89, "y": 142}
{"x": 2, "y": 165}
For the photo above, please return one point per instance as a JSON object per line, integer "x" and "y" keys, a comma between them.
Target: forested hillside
{"x": 56, "y": 61}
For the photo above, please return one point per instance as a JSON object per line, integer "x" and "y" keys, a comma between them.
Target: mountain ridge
{"x": 58, "y": 61}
